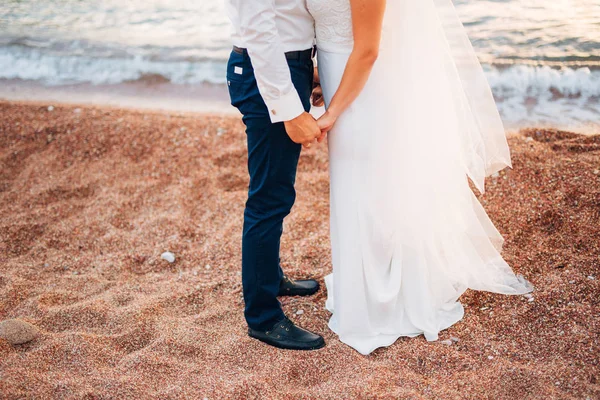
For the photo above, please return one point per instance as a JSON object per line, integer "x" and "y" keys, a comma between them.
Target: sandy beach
{"x": 91, "y": 196}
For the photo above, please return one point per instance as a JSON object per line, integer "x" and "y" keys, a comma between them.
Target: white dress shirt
{"x": 269, "y": 29}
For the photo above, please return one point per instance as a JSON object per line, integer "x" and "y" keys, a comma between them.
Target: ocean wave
{"x": 58, "y": 68}
{"x": 544, "y": 96}
{"x": 180, "y": 67}
{"x": 543, "y": 81}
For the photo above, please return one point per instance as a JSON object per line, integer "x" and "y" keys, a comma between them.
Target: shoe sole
{"x": 284, "y": 347}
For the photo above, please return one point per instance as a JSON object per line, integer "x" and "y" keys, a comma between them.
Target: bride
{"x": 409, "y": 117}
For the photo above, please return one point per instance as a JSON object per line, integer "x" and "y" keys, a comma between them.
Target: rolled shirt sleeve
{"x": 258, "y": 31}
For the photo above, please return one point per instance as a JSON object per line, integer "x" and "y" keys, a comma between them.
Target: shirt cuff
{"x": 286, "y": 107}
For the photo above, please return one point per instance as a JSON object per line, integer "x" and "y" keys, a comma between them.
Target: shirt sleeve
{"x": 258, "y": 31}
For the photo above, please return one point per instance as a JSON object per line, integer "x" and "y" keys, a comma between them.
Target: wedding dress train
{"x": 408, "y": 236}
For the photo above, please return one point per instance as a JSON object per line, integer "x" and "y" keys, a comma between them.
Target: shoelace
{"x": 285, "y": 324}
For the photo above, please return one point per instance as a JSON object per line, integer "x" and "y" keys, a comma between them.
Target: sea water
{"x": 542, "y": 58}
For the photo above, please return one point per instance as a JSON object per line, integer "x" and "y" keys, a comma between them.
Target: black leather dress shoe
{"x": 286, "y": 335}
{"x": 291, "y": 287}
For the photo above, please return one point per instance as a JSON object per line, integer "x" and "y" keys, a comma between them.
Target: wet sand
{"x": 91, "y": 196}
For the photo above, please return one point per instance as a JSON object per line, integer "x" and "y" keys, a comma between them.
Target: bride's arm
{"x": 367, "y": 21}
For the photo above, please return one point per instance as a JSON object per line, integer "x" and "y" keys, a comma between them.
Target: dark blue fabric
{"x": 272, "y": 164}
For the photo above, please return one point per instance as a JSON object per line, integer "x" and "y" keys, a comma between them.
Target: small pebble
{"x": 50, "y": 108}
{"x": 447, "y": 342}
{"x": 530, "y": 300}
{"x": 299, "y": 312}
{"x": 591, "y": 277}
{"x": 168, "y": 256}
{"x": 77, "y": 110}
{"x": 529, "y": 139}
{"x": 455, "y": 339}
{"x": 528, "y": 296}
{"x": 207, "y": 266}
{"x": 490, "y": 357}
{"x": 17, "y": 331}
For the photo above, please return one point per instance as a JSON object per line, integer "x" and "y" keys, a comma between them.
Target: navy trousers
{"x": 272, "y": 164}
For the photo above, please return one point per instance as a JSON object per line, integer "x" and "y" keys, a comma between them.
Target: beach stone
{"x": 447, "y": 342}
{"x": 168, "y": 256}
{"x": 299, "y": 312}
{"x": 50, "y": 108}
{"x": 455, "y": 339}
{"x": 16, "y": 331}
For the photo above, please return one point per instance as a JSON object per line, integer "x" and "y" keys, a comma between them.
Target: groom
{"x": 270, "y": 79}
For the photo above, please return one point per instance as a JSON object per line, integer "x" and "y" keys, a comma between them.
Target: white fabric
{"x": 408, "y": 234}
{"x": 269, "y": 29}
{"x": 333, "y": 25}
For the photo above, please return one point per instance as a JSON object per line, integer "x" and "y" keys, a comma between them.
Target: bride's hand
{"x": 326, "y": 123}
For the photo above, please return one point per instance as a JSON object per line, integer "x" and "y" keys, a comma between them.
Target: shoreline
{"x": 139, "y": 95}
{"x": 153, "y": 93}
{"x": 90, "y": 197}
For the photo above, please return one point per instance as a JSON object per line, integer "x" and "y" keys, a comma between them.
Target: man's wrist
{"x": 285, "y": 108}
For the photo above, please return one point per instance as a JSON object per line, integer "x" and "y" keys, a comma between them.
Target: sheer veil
{"x": 435, "y": 26}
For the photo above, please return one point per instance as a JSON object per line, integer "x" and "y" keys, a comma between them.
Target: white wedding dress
{"x": 408, "y": 236}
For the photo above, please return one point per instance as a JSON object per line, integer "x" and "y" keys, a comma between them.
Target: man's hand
{"x": 325, "y": 124}
{"x": 317, "y": 93}
{"x": 303, "y": 129}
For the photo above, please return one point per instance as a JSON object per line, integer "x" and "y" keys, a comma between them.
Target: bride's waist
{"x": 341, "y": 47}
{"x": 335, "y": 47}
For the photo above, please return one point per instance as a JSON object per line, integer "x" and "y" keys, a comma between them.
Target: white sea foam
{"x": 33, "y": 64}
{"x": 544, "y": 96}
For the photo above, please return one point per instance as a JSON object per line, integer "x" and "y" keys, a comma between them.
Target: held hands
{"x": 326, "y": 123}
{"x": 303, "y": 129}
